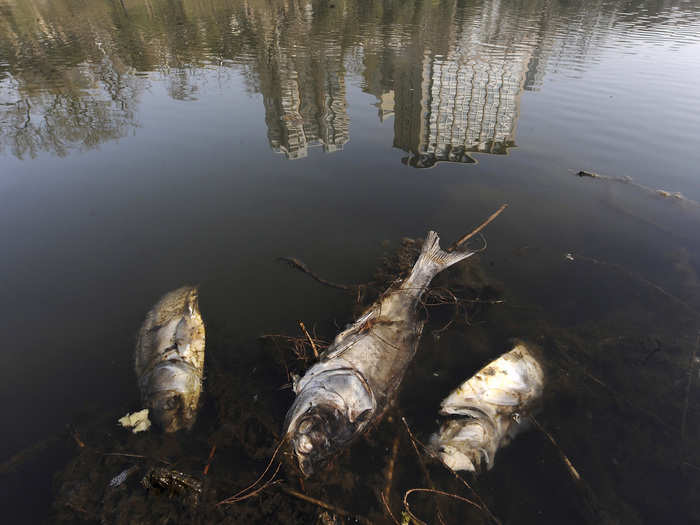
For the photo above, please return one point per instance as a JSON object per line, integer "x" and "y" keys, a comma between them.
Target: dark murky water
{"x": 146, "y": 144}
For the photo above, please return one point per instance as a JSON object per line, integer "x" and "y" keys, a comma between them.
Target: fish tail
{"x": 433, "y": 260}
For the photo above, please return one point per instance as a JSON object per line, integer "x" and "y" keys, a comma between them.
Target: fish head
{"x": 173, "y": 396}
{"x": 330, "y": 410}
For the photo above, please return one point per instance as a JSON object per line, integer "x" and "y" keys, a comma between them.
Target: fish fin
{"x": 431, "y": 261}
{"x": 348, "y": 337}
{"x": 434, "y": 257}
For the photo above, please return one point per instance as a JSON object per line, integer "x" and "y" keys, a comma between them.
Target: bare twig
{"x": 385, "y": 494}
{"x": 483, "y": 225}
{"x": 313, "y": 345}
{"x": 76, "y": 438}
{"x": 482, "y": 504}
{"x": 641, "y": 279}
{"x": 569, "y": 465}
{"x": 595, "y": 513}
{"x": 28, "y": 454}
{"x": 299, "y": 265}
{"x": 139, "y": 456}
{"x": 209, "y": 460}
{"x": 324, "y": 505}
{"x": 271, "y": 482}
{"x": 667, "y": 426}
{"x": 432, "y": 491}
{"x": 240, "y": 495}
{"x": 388, "y": 508}
{"x": 392, "y": 464}
{"x": 688, "y": 387}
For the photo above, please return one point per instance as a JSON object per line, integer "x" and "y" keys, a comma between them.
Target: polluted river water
{"x": 147, "y": 145}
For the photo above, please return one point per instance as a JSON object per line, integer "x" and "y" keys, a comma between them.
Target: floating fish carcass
{"x": 489, "y": 409}
{"x": 356, "y": 378}
{"x": 169, "y": 359}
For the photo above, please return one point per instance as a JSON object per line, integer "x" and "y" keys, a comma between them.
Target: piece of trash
{"x": 671, "y": 194}
{"x": 176, "y": 483}
{"x": 569, "y": 257}
{"x": 584, "y": 173}
{"x": 170, "y": 359}
{"x": 354, "y": 380}
{"x": 137, "y": 421}
{"x": 122, "y": 476}
{"x": 488, "y": 410}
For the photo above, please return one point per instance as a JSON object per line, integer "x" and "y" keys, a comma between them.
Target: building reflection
{"x": 449, "y": 73}
{"x": 462, "y": 95}
{"x": 305, "y": 103}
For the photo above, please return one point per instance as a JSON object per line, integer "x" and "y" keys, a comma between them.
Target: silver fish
{"x": 356, "y": 378}
{"x": 488, "y": 410}
{"x": 169, "y": 359}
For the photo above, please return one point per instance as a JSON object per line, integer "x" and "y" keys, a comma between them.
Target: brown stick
{"x": 211, "y": 456}
{"x": 388, "y": 509}
{"x": 595, "y": 513}
{"x": 76, "y": 438}
{"x": 296, "y": 263}
{"x": 432, "y": 491}
{"x": 239, "y": 495}
{"x": 390, "y": 475}
{"x": 139, "y": 456}
{"x": 272, "y": 481}
{"x": 569, "y": 465}
{"x": 313, "y": 345}
{"x": 324, "y": 505}
{"x": 478, "y": 229}
{"x": 423, "y": 468}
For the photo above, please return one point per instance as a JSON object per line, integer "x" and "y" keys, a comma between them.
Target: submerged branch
{"x": 483, "y": 225}
{"x": 250, "y": 490}
{"x": 327, "y": 506}
{"x": 432, "y": 491}
{"x": 299, "y": 265}
{"x": 482, "y": 504}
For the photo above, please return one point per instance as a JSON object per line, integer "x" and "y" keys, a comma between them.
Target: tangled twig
{"x": 416, "y": 442}
{"x": 327, "y": 506}
{"x": 251, "y": 489}
{"x": 432, "y": 491}
{"x": 483, "y": 225}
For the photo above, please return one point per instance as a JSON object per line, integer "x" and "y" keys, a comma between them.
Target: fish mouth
{"x": 312, "y": 438}
{"x": 172, "y": 394}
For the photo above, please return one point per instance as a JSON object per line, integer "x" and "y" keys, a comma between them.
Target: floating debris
{"x": 136, "y": 421}
{"x": 676, "y": 195}
{"x": 170, "y": 359}
{"x": 569, "y": 256}
{"x": 122, "y": 476}
{"x": 488, "y": 410}
{"x": 357, "y": 376}
{"x": 176, "y": 483}
{"x": 584, "y": 173}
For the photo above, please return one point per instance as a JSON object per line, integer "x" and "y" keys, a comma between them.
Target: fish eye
{"x": 171, "y": 402}
{"x": 305, "y": 444}
{"x": 304, "y": 426}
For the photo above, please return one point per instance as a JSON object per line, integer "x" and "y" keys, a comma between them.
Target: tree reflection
{"x": 449, "y": 73}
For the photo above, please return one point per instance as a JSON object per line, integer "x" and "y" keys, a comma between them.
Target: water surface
{"x": 147, "y": 144}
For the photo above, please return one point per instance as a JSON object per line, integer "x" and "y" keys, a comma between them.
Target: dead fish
{"x": 170, "y": 359}
{"x": 488, "y": 410}
{"x": 356, "y": 378}
{"x": 176, "y": 483}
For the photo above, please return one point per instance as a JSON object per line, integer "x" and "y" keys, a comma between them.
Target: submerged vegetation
{"x": 612, "y": 433}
